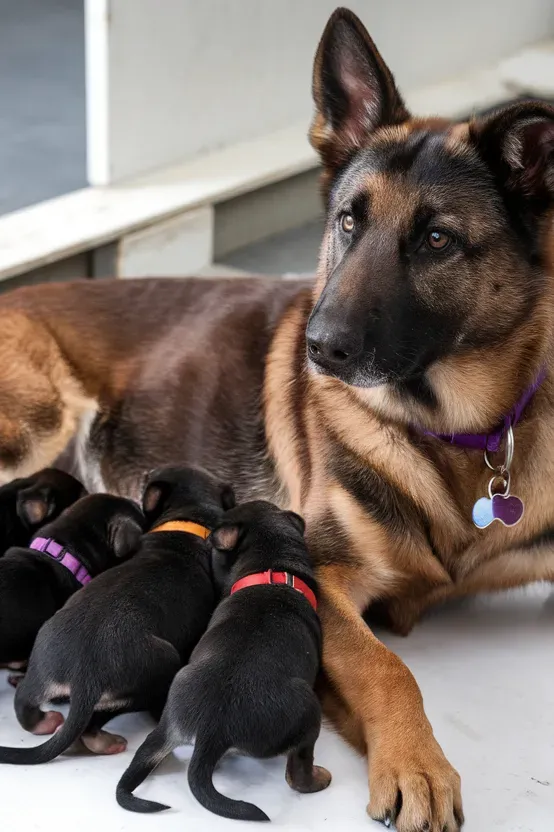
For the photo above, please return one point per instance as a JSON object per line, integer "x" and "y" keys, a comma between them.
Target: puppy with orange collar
{"x": 117, "y": 646}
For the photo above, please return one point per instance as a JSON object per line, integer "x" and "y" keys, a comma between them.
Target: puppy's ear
{"x": 228, "y": 500}
{"x": 353, "y": 90}
{"x": 125, "y": 533}
{"x": 35, "y": 505}
{"x": 517, "y": 144}
{"x": 225, "y": 537}
{"x": 298, "y": 522}
{"x": 153, "y": 498}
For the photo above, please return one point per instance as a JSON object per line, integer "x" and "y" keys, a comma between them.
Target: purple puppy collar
{"x": 492, "y": 442}
{"x": 57, "y": 552}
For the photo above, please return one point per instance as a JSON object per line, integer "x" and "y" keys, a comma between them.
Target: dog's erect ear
{"x": 353, "y": 90}
{"x": 517, "y": 144}
{"x": 125, "y": 533}
{"x": 225, "y": 537}
{"x": 35, "y": 505}
{"x": 297, "y": 521}
{"x": 228, "y": 499}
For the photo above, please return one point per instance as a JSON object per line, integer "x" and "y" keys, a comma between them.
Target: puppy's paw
{"x": 317, "y": 780}
{"x": 321, "y": 779}
{"x": 49, "y": 724}
{"x": 102, "y": 742}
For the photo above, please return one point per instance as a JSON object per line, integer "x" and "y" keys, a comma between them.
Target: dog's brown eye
{"x": 438, "y": 240}
{"x": 347, "y": 223}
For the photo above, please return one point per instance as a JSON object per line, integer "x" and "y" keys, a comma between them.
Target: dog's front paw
{"x": 413, "y": 786}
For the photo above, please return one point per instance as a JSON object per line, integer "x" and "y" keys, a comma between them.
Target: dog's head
{"x": 257, "y": 536}
{"x": 185, "y": 493}
{"x": 434, "y": 294}
{"x": 27, "y": 503}
{"x": 100, "y": 529}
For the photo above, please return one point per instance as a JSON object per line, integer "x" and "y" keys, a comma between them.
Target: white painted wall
{"x": 168, "y": 79}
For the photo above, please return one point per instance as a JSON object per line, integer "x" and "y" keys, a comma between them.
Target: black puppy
{"x": 117, "y": 646}
{"x": 36, "y": 581}
{"x": 27, "y": 503}
{"x": 249, "y": 683}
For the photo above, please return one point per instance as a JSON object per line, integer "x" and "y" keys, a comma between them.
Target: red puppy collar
{"x": 270, "y": 577}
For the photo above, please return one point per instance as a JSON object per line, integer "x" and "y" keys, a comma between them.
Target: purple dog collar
{"x": 491, "y": 442}
{"x": 57, "y": 552}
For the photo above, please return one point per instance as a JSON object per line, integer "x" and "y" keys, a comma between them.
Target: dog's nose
{"x": 331, "y": 349}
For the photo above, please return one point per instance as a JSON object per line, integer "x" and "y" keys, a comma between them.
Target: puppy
{"x": 117, "y": 645}
{"x": 27, "y": 503}
{"x": 249, "y": 684}
{"x": 35, "y": 582}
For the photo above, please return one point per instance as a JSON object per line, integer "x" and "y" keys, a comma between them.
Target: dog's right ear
{"x": 225, "y": 537}
{"x": 125, "y": 532}
{"x": 353, "y": 90}
{"x": 35, "y": 505}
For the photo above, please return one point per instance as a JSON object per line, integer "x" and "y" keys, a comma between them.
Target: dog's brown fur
{"x": 215, "y": 373}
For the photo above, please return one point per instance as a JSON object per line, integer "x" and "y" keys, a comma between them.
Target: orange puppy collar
{"x": 183, "y": 526}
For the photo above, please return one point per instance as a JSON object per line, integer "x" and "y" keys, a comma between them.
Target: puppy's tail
{"x": 80, "y": 714}
{"x": 153, "y": 750}
{"x": 208, "y": 750}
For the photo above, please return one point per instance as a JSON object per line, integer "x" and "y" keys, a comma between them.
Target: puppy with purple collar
{"x": 92, "y": 535}
{"x": 249, "y": 683}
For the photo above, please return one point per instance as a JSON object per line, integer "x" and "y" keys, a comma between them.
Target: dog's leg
{"x": 410, "y": 780}
{"x": 102, "y": 742}
{"x": 339, "y": 715}
{"x": 302, "y": 775}
{"x": 32, "y": 719}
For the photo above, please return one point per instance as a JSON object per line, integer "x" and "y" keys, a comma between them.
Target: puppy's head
{"x": 435, "y": 287}
{"x": 185, "y": 493}
{"x": 27, "y": 503}
{"x": 100, "y": 529}
{"x": 257, "y": 536}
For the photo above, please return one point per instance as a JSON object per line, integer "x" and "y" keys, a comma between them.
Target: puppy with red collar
{"x": 249, "y": 683}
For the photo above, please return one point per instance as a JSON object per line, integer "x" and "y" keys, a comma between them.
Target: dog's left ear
{"x": 297, "y": 521}
{"x": 35, "y": 505}
{"x": 225, "y": 537}
{"x": 153, "y": 498}
{"x": 517, "y": 144}
{"x": 125, "y": 533}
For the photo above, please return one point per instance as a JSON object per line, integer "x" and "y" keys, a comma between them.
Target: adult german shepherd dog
{"x": 430, "y": 339}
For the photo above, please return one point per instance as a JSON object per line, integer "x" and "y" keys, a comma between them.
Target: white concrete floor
{"x": 486, "y": 669}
